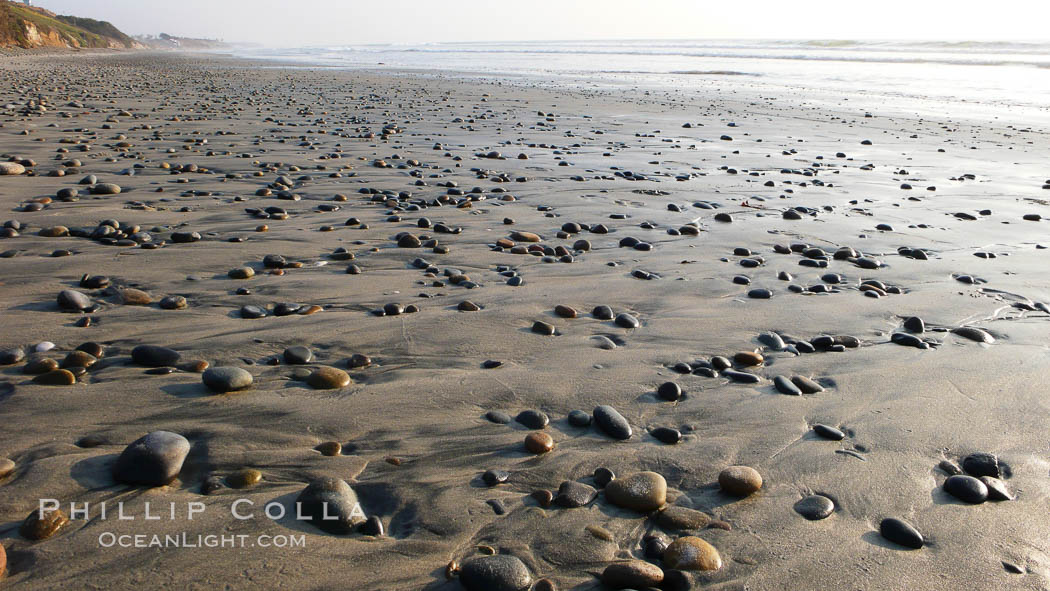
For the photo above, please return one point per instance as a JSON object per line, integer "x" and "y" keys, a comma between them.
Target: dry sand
{"x": 415, "y": 440}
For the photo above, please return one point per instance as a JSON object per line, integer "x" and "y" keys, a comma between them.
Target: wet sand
{"x": 412, "y": 424}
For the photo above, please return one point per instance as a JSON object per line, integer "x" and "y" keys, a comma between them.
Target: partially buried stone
{"x": 372, "y": 526}
{"x": 498, "y": 417}
{"x": 494, "y": 477}
{"x": 579, "y": 418}
{"x": 674, "y": 517}
{"x": 152, "y": 460}
{"x": 39, "y": 366}
{"x": 244, "y": 478}
{"x": 786, "y": 386}
{"x": 739, "y": 481}
{"x": 57, "y": 377}
{"x": 533, "y": 419}
{"x": 154, "y": 356}
{"x": 997, "y": 490}
{"x": 298, "y": 355}
{"x": 635, "y": 574}
{"x": 42, "y": 524}
{"x": 643, "y": 492}
{"x": 176, "y": 302}
{"x": 602, "y": 313}
{"x": 692, "y": 553}
{"x": 330, "y": 448}
{"x": 574, "y": 494}
{"x": 982, "y": 464}
{"x": 7, "y": 467}
{"x": 500, "y": 572}
{"x": 226, "y": 379}
{"x": 327, "y": 378}
{"x": 331, "y": 505}
{"x": 543, "y": 328}
{"x": 669, "y": 391}
{"x": 900, "y": 532}
{"x": 828, "y": 432}
{"x": 611, "y": 422}
{"x": 815, "y": 507}
{"x": 626, "y": 321}
{"x": 135, "y": 297}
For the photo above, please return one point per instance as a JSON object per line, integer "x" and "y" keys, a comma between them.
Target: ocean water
{"x": 987, "y": 73}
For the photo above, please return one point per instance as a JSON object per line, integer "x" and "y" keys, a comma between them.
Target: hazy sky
{"x": 328, "y": 22}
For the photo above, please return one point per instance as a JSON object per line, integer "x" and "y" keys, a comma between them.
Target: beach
{"x": 438, "y": 242}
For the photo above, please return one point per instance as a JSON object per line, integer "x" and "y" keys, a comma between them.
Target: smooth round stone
{"x": 40, "y": 366}
{"x": 135, "y": 297}
{"x": 692, "y": 553}
{"x": 500, "y": 418}
{"x": 241, "y": 273}
{"x": 603, "y": 342}
{"x": 674, "y": 517}
{"x": 40, "y": 525}
{"x": 533, "y": 419}
{"x": 828, "y": 432}
{"x": 900, "y": 532}
{"x": 327, "y": 378}
{"x": 250, "y": 311}
{"x": 807, "y": 385}
{"x": 78, "y": 359}
{"x": 669, "y": 391}
{"x": 539, "y": 442}
{"x": 331, "y": 505}
{"x": 244, "y": 478}
{"x": 500, "y": 572}
{"x": 226, "y": 379}
{"x": 298, "y": 355}
{"x": 643, "y": 492}
{"x": 966, "y": 488}
{"x": 666, "y": 435}
{"x": 635, "y": 574}
{"x": 494, "y": 477}
{"x": 358, "y": 360}
{"x": 974, "y": 334}
{"x": 602, "y": 313}
{"x": 760, "y": 293}
{"x": 152, "y": 460}
{"x": 626, "y": 321}
{"x": 408, "y": 241}
{"x": 330, "y": 448}
{"x": 57, "y": 377}
{"x": 572, "y": 494}
{"x": 176, "y": 302}
{"x": 7, "y": 467}
{"x": 468, "y": 306}
{"x": 815, "y": 507}
{"x": 43, "y": 347}
{"x": 73, "y": 300}
{"x": 748, "y": 358}
{"x": 739, "y": 481}
{"x": 105, "y": 189}
{"x": 543, "y": 328}
{"x": 603, "y": 476}
{"x": 154, "y": 356}
{"x": 579, "y": 418}
{"x": 11, "y": 168}
{"x": 12, "y": 356}
{"x": 610, "y": 421}
{"x": 372, "y": 526}
{"x": 565, "y": 311}
{"x": 785, "y": 386}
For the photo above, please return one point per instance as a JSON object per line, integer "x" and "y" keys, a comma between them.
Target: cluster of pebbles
{"x": 302, "y": 261}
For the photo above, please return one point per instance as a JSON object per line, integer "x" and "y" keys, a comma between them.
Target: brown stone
{"x": 692, "y": 553}
{"x": 39, "y": 366}
{"x": 565, "y": 311}
{"x": 135, "y": 297}
{"x": 644, "y": 492}
{"x": 634, "y": 574}
{"x": 327, "y": 378}
{"x": 740, "y": 481}
{"x": 244, "y": 478}
{"x": 330, "y": 448}
{"x": 78, "y": 359}
{"x": 520, "y": 236}
{"x": 674, "y": 517}
{"x": 58, "y": 377}
{"x": 748, "y": 358}
{"x": 539, "y": 442}
{"x": 42, "y": 525}
{"x": 7, "y": 467}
